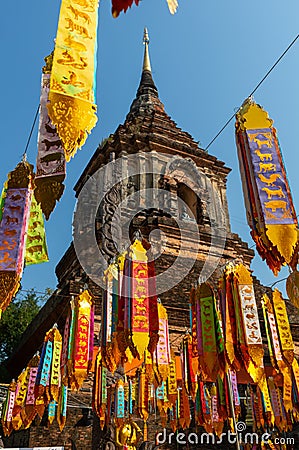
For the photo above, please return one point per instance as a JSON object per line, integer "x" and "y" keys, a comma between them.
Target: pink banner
{"x": 13, "y": 229}
{"x": 30, "y": 399}
{"x": 11, "y": 402}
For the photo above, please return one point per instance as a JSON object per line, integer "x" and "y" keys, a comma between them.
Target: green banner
{"x": 36, "y": 246}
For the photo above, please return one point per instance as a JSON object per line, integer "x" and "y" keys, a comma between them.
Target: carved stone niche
{"x": 190, "y": 188}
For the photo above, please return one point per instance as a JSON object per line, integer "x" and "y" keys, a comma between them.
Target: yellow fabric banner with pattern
{"x": 71, "y": 99}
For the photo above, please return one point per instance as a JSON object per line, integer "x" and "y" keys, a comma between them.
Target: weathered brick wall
{"x": 17, "y": 439}
{"x": 41, "y": 436}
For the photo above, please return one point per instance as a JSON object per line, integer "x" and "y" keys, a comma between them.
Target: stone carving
{"x": 109, "y": 211}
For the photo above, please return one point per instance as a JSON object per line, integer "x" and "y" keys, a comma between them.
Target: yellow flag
{"x": 71, "y": 99}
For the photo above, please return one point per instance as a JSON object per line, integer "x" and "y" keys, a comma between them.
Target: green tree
{"x": 17, "y": 317}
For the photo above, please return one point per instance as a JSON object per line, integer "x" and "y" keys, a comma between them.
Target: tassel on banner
{"x": 269, "y": 205}
{"x": 50, "y": 163}
{"x": 13, "y": 228}
{"x": 71, "y": 106}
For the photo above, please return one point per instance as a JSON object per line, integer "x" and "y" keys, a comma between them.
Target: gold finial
{"x": 146, "y": 60}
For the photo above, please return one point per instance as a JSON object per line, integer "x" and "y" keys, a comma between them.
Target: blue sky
{"x": 206, "y": 59}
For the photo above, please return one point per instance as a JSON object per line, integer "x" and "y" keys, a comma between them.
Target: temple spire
{"x": 147, "y": 85}
{"x": 147, "y": 98}
{"x": 146, "y": 59}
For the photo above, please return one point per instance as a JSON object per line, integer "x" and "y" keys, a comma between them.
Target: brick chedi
{"x": 163, "y": 151}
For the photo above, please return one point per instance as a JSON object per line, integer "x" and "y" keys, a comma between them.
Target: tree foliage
{"x": 16, "y": 318}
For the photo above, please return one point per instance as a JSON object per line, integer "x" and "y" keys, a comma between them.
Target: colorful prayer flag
{"x": 71, "y": 105}
{"x": 269, "y": 205}
{"x": 82, "y": 329}
{"x": 50, "y": 163}
{"x": 13, "y": 228}
{"x": 36, "y": 246}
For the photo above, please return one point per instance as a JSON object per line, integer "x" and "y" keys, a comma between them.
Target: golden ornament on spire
{"x": 146, "y": 59}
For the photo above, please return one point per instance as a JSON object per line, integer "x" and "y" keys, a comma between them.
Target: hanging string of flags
{"x": 218, "y": 377}
{"x": 65, "y": 361}
{"x": 220, "y": 370}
